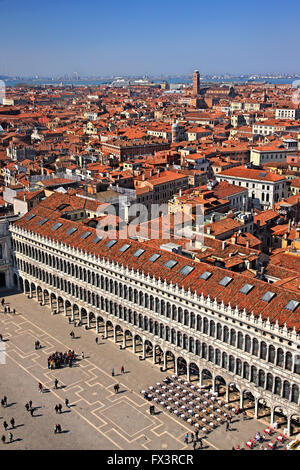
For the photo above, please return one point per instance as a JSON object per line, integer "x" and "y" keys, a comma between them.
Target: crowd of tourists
{"x": 59, "y": 359}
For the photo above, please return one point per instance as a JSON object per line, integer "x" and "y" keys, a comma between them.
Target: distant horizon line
{"x": 76, "y": 76}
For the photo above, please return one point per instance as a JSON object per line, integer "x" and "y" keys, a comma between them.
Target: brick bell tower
{"x": 196, "y": 83}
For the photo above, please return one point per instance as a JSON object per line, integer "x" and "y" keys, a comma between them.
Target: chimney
{"x": 223, "y": 244}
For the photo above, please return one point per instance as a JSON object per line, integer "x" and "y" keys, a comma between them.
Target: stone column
{"x": 227, "y": 393}
{"x": 213, "y": 384}
{"x": 88, "y": 319}
{"x": 97, "y": 326}
{"x": 115, "y": 335}
{"x": 175, "y": 366}
{"x": 105, "y": 330}
{"x": 188, "y": 372}
{"x": 256, "y": 408}
{"x": 30, "y": 291}
{"x": 241, "y": 399}
{"x": 154, "y": 354}
{"x": 124, "y": 340}
{"x": 80, "y": 314}
{"x": 144, "y": 350}
{"x": 133, "y": 344}
{"x": 272, "y": 417}
{"x": 65, "y": 308}
{"x": 165, "y": 361}
{"x": 200, "y": 377}
{"x": 289, "y": 428}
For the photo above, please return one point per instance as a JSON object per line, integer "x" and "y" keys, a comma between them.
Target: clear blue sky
{"x": 148, "y": 36}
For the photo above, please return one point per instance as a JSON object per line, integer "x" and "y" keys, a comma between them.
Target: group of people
{"x": 29, "y": 407}
{"x": 113, "y": 371}
{"x": 59, "y": 359}
{"x": 194, "y": 439}
{"x": 10, "y": 436}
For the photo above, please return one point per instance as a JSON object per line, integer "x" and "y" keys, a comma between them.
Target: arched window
{"x": 277, "y": 389}
{"x": 255, "y": 347}
{"x": 261, "y": 378}
{"x": 224, "y": 360}
{"x": 219, "y": 331}
{"x": 212, "y": 329}
{"x": 211, "y": 354}
{"x": 205, "y": 326}
{"x": 271, "y": 354}
{"x": 232, "y": 337}
{"x": 286, "y": 390}
{"x": 253, "y": 374}
{"x": 239, "y": 367}
{"x": 231, "y": 363}
{"x": 288, "y": 361}
{"x": 246, "y": 371}
{"x": 280, "y": 358}
{"x": 204, "y": 350}
{"x": 269, "y": 384}
{"x": 263, "y": 350}
{"x": 218, "y": 357}
{"x": 247, "y": 343}
{"x": 295, "y": 394}
{"x": 225, "y": 334}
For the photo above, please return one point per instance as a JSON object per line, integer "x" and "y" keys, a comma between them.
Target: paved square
{"x": 127, "y": 418}
{"x": 98, "y": 418}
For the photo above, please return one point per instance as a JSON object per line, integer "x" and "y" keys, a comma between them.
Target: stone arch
{"x": 194, "y": 372}
{"x": 170, "y": 360}
{"x": 181, "y": 366}
{"x": 220, "y": 385}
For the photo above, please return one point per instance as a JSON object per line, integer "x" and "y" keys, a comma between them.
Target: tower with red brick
{"x": 196, "y": 83}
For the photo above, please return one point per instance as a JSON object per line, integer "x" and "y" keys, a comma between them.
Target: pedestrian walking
{"x": 122, "y": 370}
{"x": 59, "y": 428}
{"x": 56, "y": 409}
{"x": 1, "y": 338}
{"x": 5, "y": 400}
{"x": 82, "y": 355}
{"x": 192, "y": 437}
{"x": 5, "y": 310}
{"x": 27, "y": 406}
{"x": 227, "y": 426}
{"x": 59, "y": 407}
{"x": 40, "y": 387}
{"x": 244, "y": 415}
{"x": 31, "y": 411}
{"x": 12, "y": 422}
{"x": 3, "y": 438}
{"x": 229, "y": 418}
{"x": 55, "y": 384}
{"x": 186, "y": 438}
{"x": 2, "y": 402}
{"x": 201, "y": 442}
{"x": 196, "y": 435}
{"x": 14, "y": 311}
{"x": 10, "y": 437}
{"x": 112, "y": 373}
{"x": 67, "y": 403}
{"x": 8, "y": 308}
{"x": 194, "y": 445}
{"x": 97, "y": 340}
{"x": 2, "y": 302}
{"x": 55, "y": 429}
{"x": 30, "y": 403}
{"x": 5, "y": 425}
{"x": 116, "y": 388}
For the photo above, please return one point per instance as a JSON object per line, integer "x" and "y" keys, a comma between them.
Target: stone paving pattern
{"x": 98, "y": 418}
